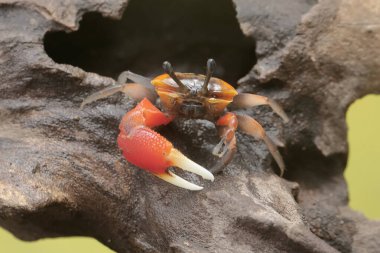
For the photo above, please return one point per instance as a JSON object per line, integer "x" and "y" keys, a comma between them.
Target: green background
{"x": 362, "y": 174}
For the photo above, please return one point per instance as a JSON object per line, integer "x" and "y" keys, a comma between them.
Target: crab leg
{"x": 138, "y": 90}
{"x": 125, "y": 75}
{"x": 245, "y": 100}
{"x": 226, "y": 148}
{"x": 150, "y": 151}
{"x": 250, "y": 126}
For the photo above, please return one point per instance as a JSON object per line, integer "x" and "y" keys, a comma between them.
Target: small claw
{"x": 226, "y": 147}
{"x": 226, "y": 155}
{"x": 172, "y": 178}
{"x": 177, "y": 159}
{"x": 221, "y": 148}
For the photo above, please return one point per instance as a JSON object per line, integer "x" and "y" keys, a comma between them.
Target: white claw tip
{"x": 181, "y": 161}
{"x": 172, "y": 178}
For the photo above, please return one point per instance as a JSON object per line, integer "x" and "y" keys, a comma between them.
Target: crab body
{"x": 184, "y": 95}
{"x": 196, "y": 102}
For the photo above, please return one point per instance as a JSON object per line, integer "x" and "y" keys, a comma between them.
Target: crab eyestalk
{"x": 210, "y": 70}
{"x": 169, "y": 70}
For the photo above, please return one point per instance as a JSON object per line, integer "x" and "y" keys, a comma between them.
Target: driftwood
{"x": 61, "y": 172}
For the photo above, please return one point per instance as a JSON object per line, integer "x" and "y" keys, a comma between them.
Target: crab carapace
{"x": 185, "y": 95}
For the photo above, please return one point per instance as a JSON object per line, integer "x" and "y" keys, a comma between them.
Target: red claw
{"x": 148, "y": 150}
{"x": 141, "y": 145}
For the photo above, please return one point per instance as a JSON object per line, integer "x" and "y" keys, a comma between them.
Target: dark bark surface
{"x": 61, "y": 172}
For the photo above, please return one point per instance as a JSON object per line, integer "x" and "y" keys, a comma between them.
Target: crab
{"x": 184, "y": 95}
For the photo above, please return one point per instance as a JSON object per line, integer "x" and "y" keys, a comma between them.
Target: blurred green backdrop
{"x": 362, "y": 174}
{"x": 363, "y": 171}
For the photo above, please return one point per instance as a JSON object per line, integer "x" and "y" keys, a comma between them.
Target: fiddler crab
{"x": 184, "y": 95}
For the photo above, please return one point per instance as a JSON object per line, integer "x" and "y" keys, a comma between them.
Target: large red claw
{"x": 148, "y": 150}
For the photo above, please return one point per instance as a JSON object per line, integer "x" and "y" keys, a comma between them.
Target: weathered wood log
{"x": 61, "y": 172}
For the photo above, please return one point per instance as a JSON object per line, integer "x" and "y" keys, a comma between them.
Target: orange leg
{"x": 250, "y": 126}
{"x": 246, "y": 100}
{"x": 226, "y": 148}
{"x": 150, "y": 151}
{"x": 139, "y": 89}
